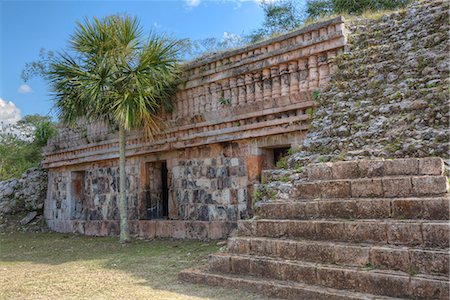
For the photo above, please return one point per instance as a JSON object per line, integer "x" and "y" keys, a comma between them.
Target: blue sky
{"x": 28, "y": 26}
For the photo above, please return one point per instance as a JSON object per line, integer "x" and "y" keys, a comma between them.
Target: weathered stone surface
{"x": 24, "y": 194}
{"x": 430, "y": 261}
{"x": 367, "y": 188}
{"x": 28, "y": 218}
{"x": 436, "y": 234}
{"x": 429, "y": 185}
{"x": 390, "y": 258}
{"x": 345, "y": 170}
{"x": 431, "y": 166}
{"x": 404, "y": 234}
{"x": 407, "y": 166}
{"x": 364, "y": 232}
{"x": 219, "y": 263}
{"x": 335, "y": 189}
{"x": 397, "y": 187}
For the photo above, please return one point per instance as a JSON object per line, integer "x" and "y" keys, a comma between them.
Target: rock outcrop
{"x": 24, "y": 194}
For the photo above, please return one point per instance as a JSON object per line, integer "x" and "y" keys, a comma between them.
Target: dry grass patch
{"x": 66, "y": 266}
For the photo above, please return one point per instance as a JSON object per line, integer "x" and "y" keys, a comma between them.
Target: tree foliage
{"x": 16, "y": 154}
{"x": 113, "y": 73}
{"x": 319, "y": 8}
{"x": 279, "y": 17}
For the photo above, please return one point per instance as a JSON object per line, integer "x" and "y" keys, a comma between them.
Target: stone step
{"x": 432, "y": 234}
{"x": 428, "y": 208}
{"x": 273, "y": 288}
{"x": 409, "y": 260}
{"x": 363, "y": 280}
{"x": 365, "y": 169}
{"x": 384, "y": 187}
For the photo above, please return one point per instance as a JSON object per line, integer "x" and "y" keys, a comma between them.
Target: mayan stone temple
{"x": 358, "y": 210}
{"x": 235, "y": 116}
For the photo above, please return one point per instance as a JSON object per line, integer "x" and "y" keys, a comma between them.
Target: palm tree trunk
{"x": 123, "y": 205}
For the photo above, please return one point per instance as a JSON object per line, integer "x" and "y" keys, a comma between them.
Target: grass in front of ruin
{"x": 68, "y": 266}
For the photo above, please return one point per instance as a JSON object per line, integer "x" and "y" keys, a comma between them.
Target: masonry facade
{"x": 234, "y": 116}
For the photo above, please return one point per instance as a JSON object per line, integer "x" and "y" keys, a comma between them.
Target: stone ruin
{"x": 370, "y": 227}
{"x": 236, "y": 114}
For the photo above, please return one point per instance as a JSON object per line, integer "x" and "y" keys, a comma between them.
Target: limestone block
{"x": 426, "y": 288}
{"x": 330, "y": 230}
{"x": 397, "y": 187}
{"x": 404, "y": 234}
{"x": 320, "y": 172}
{"x": 371, "y": 168}
{"x": 335, "y": 189}
{"x": 367, "y": 188}
{"x": 431, "y": 166}
{"x": 219, "y": 263}
{"x": 345, "y": 170}
{"x": 429, "y": 185}
{"x": 364, "y": 232}
{"x": 240, "y": 265}
{"x": 436, "y": 234}
{"x": 389, "y": 258}
{"x": 407, "y": 166}
{"x": 246, "y": 228}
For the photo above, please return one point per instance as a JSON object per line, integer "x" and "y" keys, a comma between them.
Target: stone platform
{"x": 371, "y": 229}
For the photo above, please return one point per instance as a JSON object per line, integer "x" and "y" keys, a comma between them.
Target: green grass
{"x": 67, "y": 266}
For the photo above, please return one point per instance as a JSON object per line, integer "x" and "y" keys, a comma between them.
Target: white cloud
{"x": 24, "y": 89}
{"x": 9, "y": 112}
{"x": 193, "y": 3}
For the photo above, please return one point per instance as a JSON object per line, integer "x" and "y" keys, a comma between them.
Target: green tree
{"x": 113, "y": 73}
{"x": 319, "y": 8}
{"x": 279, "y": 17}
{"x": 21, "y": 149}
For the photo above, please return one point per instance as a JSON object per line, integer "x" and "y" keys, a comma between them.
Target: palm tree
{"x": 112, "y": 73}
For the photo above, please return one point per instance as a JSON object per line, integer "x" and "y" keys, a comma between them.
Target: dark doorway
{"x": 278, "y": 153}
{"x": 156, "y": 192}
{"x": 78, "y": 196}
{"x": 165, "y": 191}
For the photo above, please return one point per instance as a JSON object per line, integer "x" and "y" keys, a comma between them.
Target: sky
{"x": 28, "y": 26}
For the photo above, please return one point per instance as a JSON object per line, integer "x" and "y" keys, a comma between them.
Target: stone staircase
{"x": 369, "y": 229}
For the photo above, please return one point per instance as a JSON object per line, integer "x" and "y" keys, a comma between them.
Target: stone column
{"x": 190, "y": 99}
{"x": 179, "y": 110}
{"x": 313, "y": 72}
{"x": 267, "y": 84}
{"x": 323, "y": 70}
{"x": 249, "y": 88}
{"x": 331, "y": 65}
{"x": 194, "y": 101}
{"x": 234, "y": 91}
{"x": 226, "y": 92}
{"x": 293, "y": 75}
{"x": 214, "y": 96}
{"x": 258, "y": 86}
{"x": 241, "y": 90}
{"x": 207, "y": 98}
{"x": 303, "y": 75}
{"x": 185, "y": 103}
{"x": 284, "y": 80}
{"x": 276, "y": 89}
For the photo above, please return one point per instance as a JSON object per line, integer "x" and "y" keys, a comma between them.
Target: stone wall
{"x": 24, "y": 194}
